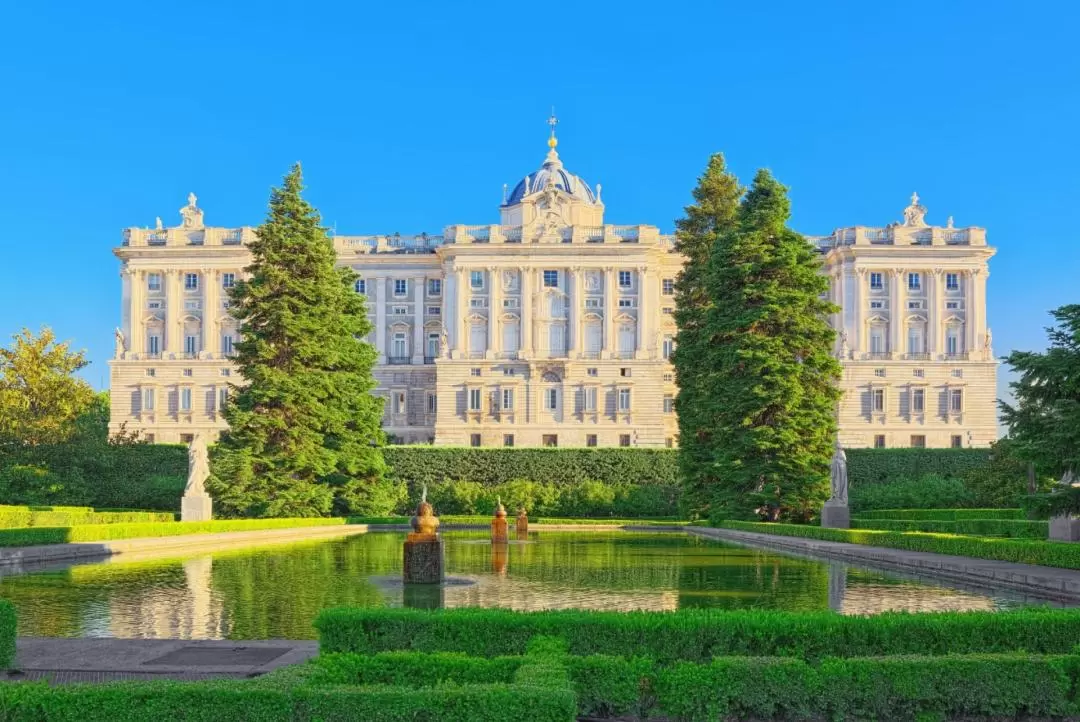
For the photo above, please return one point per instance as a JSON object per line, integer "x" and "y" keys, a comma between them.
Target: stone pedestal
{"x": 423, "y": 560}
{"x": 522, "y": 523}
{"x": 1065, "y": 527}
{"x": 500, "y": 530}
{"x": 835, "y": 515}
{"x": 196, "y": 508}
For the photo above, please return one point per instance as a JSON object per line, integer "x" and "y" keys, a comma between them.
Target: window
{"x": 956, "y": 400}
{"x": 592, "y": 303}
{"x": 591, "y": 372}
{"x": 551, "y": 399}
{"x": 508, "y": 371}
{"x": 432, "y": 403}
{"x": 187, "y": 372}
{"x": 223, "y": 398}
{"x": 879, "y": 441}
{"x": 154, "y": 305}
{"x": 510, "y": 303}
{"x": 151, "y": 372}
{"x": 952, "y": 341}
{"x": 915, "y": 340}
{"x": 434, "y": 287}
{"x": 918, "y": 441}
{"x": 360, "y": 286}
{"x": 480, "y": 302}
{"x": 625, "y": 279}
{"x": 400, "y": 310}
{"x": 624, "y": 372}
{"x": 669, "y": 443}
{"x": 551, "y": 279}
{"x": 589, "y": 399}
{"x": 432, "y": 345}
{"x": 508, "y": 439}
{"x": 191, "y": 281}
{"x": 879, "y": 400}
{"x": 192, "y": 305}
{"x": 149, "y": 438}
{"x": 918, "y": 373}
{"x": 153, "y": 281}
{"x": 148, "y": 400}
{"x": 880, "y": 373}
{"x": 507, "y": 399}
{"x": 227, "y": 344}
{"x": 952, "y": 305}
{"x": 668, "y": 347}
{"x": 401, "y": 287}
{"x": 153, "y": 345}
{"x": 590, "y": 440}
{"x": 956, "y": 441}
{"x": 918, "y": 401}
{"x": 877, "y": 304}
{"x": 400, "y": 401}
{"x": 669, "y": 404}
{"x": 474, "y": 439}
{"x": 952, "y": 281}
{"x": 667, "y": 310}
{"x": 667, "y": 286}
{"x": 187, "y": 438}
{"x": 877, "y": 341}
{"x": 550, "y": 440}
{"x": 958, "y": 373}
{"x": 399, "y": 345}
{"x": 228, "y": 280}
{"x": 224, "y": 372}
{"x": 669, "y": 378}
{"x": 476, "y": 279}
{"x": 914, "y": 281}
{"x": 191, "y": 345}
{"x": 624, "y": 400}
{"x": 434, "y": 310}
{"x": 185, "y": 399}
{"x": 914, "y": 305}
{"x": 876, "y": 282}
{"x": 474, "y": 399}
{"x": 626, "y": 303}
{"x": 624, "y": 439}
{"x": 475, "y": 372}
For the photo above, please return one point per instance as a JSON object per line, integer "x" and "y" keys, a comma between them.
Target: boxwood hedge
{"x": 1014, "y": 528}
{"x": 942, "y": 514}
{"x": 108, "y": 532}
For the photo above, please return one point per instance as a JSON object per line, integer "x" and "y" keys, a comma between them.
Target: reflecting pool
{"x": 275, "y": 591}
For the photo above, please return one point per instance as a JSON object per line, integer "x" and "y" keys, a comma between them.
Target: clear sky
{"x": 410, "y": 116}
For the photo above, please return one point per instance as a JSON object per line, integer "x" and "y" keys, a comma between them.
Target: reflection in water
{"x": 275, "y": 592}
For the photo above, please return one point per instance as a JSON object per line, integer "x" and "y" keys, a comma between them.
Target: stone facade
{"x": 554, "y": 328}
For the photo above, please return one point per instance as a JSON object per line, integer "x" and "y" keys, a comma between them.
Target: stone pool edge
{"x": 1061, "y": 585}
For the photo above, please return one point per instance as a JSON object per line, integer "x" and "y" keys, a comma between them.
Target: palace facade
{"x": 552, "y": 328}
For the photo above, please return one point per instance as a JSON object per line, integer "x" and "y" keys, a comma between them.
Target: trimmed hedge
{"x": 8, "y": 627}
{"x": 1013, "y": 528}
{"x": 697, "y": 635}
{"x": 13, "y": 517}
{"x": 1065, "y": 555}
{"x": 876, "y": 466}
{"x": 942, "y": 514}
{"x": 109, "y": 532}
{"x": 898, "y": 688}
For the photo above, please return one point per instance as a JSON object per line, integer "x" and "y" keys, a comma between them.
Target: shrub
{"x": 942, "y": 514}
{"x": 883, "y": 466}
{"x": 13, "y": 517}
{"x": 931, "y": 492}
{"x": 697, "y": 635}
{"x": 1051, "y": 554}
{"x": 363, "y": 497}
{"x": 1015, "y": 528}
{"x": 111, "y": 532}
{"x": 415, "y": 669}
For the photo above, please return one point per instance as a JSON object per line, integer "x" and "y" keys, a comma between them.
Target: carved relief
{"x": 915, "y": 214}
{"x": 509, "y": 281}
{"x": 592, "y": 281}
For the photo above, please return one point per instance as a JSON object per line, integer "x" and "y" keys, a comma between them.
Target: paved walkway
{"x": 1046, "y": 582}
{"x": 62, "y": 661}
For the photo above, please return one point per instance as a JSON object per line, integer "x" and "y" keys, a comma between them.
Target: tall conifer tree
{"x": 769, "y": 384}
{"x": 304, "y": 429}
{"x": 716, "y": 202}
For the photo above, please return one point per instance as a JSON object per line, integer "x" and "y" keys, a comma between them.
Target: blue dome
{"x": 564, "y": 181}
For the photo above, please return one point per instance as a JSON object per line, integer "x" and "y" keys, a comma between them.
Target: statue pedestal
{"x": 835, "y": 515}
{"x": 500, "y": 530}
{"x": 522, "y": 524}
{"x": 196, "y": 508}
{"x": 423, "y": 559}
{"x": 1065, "y": 527}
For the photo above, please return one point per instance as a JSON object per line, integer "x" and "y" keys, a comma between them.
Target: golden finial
{"x": 553, "y": 121}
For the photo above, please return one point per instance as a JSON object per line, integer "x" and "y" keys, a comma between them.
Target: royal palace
{"x": 552, "y": 328}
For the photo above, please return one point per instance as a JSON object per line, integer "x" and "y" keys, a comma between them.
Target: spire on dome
{"x": 553, "y": 155}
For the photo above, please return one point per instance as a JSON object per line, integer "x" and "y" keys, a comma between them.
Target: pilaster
{"x": 461, "y": 305}
{"x": 494, "y": 311}
{"x": 896, "y": 313}
{"x": 525, "y": 274}
{"x": 642, "y": 329}
{"x": 211, "y": 342}
{"x": 575, "y": 341}
{"x": 380, "y": 318}
{"x": 862, "y": 305}
{"x": 610, "y": 344}
{"x": 174, "y": 304}
{"x": 419, "y": 282}
{"x": 138, "y": 311}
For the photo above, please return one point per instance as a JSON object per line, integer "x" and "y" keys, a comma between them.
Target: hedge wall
{"x": 876, "y": 466}
{"x": 109, "y": 532}
{"x": 1014, "y": 528}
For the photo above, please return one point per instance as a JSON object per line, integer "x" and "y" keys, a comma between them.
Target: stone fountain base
{"x": 423, "y": 561}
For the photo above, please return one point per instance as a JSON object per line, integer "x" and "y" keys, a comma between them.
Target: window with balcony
{"x": 624, "y": 439}
{"x": 952, "y": 281}
{"x": 507, "y": 399}
{"x": 228, "y": 280}
{"x": 877, "y": 340}
{"x": 191, "y": 282}
{"x": 590, "y": 440}
{"x": 153, "y": 281}
{"x": 434, "y": 287}
{"x": 956, "y": 401}
{"x": 432, "y": 349}
{"x": 360, "y": 286}
{"x": 551, "y": 279}
{"x": 667, "y": 287}
{"x": 227, "y": 344}
{"x": 914, "y": 281}
{"x": 191, "y": 346}
{"x": 475, "y": 400}
{"x": 626, "y": 279}
{"x": 876, "y": 281}
{"x": 624, "y": 400}
{"x": 952, "y": 341}
{"x": 399, "y": 347}
{"x": 153, "y": 345}
{"x": 916, "y": 346}
{"x": 918, "y": 401}
{"x": 401, "y": 287}
{"x": 185, "y": 399}
{"x": 476, "y": 280}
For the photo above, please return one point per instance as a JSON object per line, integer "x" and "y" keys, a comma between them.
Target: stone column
{"x": 610, "y": 344}
{"x": 970, "y": 314}
{"x": 895, "y": 282}
{"x": 526, "y": 311}
{"x": 418, "y": 320}
{"x": 862, "y": 305}
{"x": 380, "y": 318}
{"x": 174, "y": 304}
{"x": 461, "y": 306}
{"x": 211, "y": 289}
{"x": 935, "y": 294}
{"x": 642, "y": 329}
{"x": 978, "y": 307}
{"x": 137, "y": 336}
{"x": 494, "y": 311}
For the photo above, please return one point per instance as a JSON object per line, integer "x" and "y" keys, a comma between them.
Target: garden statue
{"x": 835, "y": 514}
{"x": 423, "y": 546}
{"x": 196, "y": 504}
{"x": 499, "y": 526}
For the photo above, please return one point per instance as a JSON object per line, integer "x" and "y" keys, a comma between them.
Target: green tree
{"x": 768, "y": 376}
{"x": 40, "y": 397}
{"x": 716, "y": 202}
{"x": 304, "y": 428}
{"x": 1044, "y": 422}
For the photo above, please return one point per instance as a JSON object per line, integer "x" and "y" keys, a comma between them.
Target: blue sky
{"x": 411, "y": 116}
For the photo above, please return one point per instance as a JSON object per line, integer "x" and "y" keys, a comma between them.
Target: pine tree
{"x": 716, "y": 201}
{"x": 769, "y": 379}
{"x": 304, "y": 429}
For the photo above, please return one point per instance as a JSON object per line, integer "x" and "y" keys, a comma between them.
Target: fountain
{"x": 499, "y": 527}
{"x": 522, "y": 522}
{"x": 423, "y": 547}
